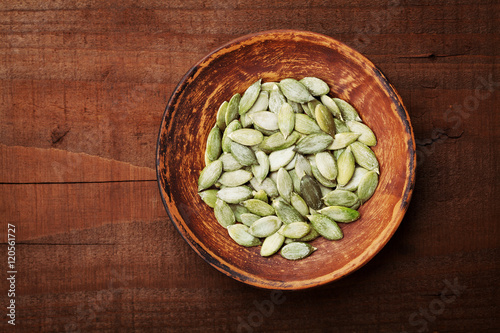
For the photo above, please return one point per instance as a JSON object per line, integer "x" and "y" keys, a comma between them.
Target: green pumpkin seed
{"x": 364, "y": 156}
{"x": 258, "y": 207}
{"x": 235, "y": 195}
{"x": 232, "y": 109}
{"x": 356, "y": 205}
{"x": 249, "y": 218}
{"x": 272, "y": 244}
{"x": 284, "y": 184}
{"x": 268, "y": 86}
{"x": 340, "y": 126}
{"x": 260, "y": 195}
{"x": 286, "y": 120}
{"x": 318, "y": 176}
{"x": 268, "y": 185}
{"x": 312, "y": 235}
{"x": 229, "y": 163}
{"x": 366, "y": 134}
{"x": 340, "y": 198}
{"x": 295, "y": 230}
{"x": 367, "y": 186}
{"x": 340, "y": 214}
{"x": 311, "y": 106}
{"x": 302, "y": 166}
{"x": 286, "y": 212}
{"x": 223, "y": 213}
{"x": 295, "y": 180}
{"x": 331, "y": 106}
{"x": 342, "y": 140}
{"x": 299, "y": 204}
{"x": 221, "y": 116}
{"x": 337, "y": 153}
{"x": 265, "y": 120}
{"x": 297, "y": 108}
{"x": 262, "y": 102}
{"x": 346, "y": 165}
{"x": 326, "y": 227}
{"x": 247, "y": 136}
{"x": 324, "y": 118}
{"x": 291, "y": 165}
{"x": 316, "y": 86}
{"x": 226, "y": 141}
{"x": 209, "y": 197}
{"x": 277, "y": 141}
{"x": 249, "y": 97}
{"x": 297, "y": 250}
{"x": 235, "y": 178}
{"x": 313, "y": 143}
{"x": 261, "y": 170}
{"x": 243, "y": 154}
{"x": 352, "y": 185}
{"x": 276, "y": 99}
{"x": 214, "y": 144}
{"x": 307, "y": 110}
{"x": 209, "y": 175}
{"x": 238, "y": 210}
{"x": 326, "y": 165}
{"x": 310, "y": 192}
{"x": 265, "y": 226}
{"x": 347, "y": 110}
{"x": 295, "y": 91}
{"x": 305, "y": 124}
{"x": 324, "y": 190}
{"x": 239, "y": 233}
{"x": 280, "y": 158}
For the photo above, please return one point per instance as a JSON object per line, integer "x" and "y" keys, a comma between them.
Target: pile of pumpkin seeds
{"x": 285, "y": 163}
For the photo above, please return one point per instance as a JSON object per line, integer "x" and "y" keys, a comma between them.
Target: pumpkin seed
{"x": 284, "y": 184}
{"x": 340, "y": 198}
{"x": 310, "y": 192}
{"x": 346, "y": 166}
{"x": 221, "y": 116}
{"x": 364, "y": 156}
{"x": 229, "y": 163}
{"x": 340, "y": 213}
{"x": 261, "y": 170}
{"x": 299, "y": 204}
{"x": 324, "y": 118}
{"x": 249, "y": 97}
{"x": 326, "y": 227}
{"x": 331, "y": 106}
{"x": 295, "y": 230}
{"x": 247, "y": 136}
{"x": 352, "y": 185}
{"x": 312, "y": 235}
{"x": 366, "y": 134}
{"x": 297, "y": 108}
{"x": 286, "y": 212}
{"x": 297, "y": 250}
{"x": 340, "y": 126}
{"x": 232, "y": 108}
{"x": 226, "y": 141}
{"x": 209, "y": 197}
{"x": 266, "y": 120}
{"x": 235, "y": 178}
{"x": 342, "y": 140}
{"x": 305, "y": 124}
{"x": 223, "y": 213}
{"x": 209, "y": 175}
{"x": 367, "y": 186}
{"x": 295, "y": 91}
{"x": 272, "y": 244}
{"x": 280, "y": 158}
{"x": 313, "y": 143}
{"x": 214, "y": 144}
{"x": 295, "y": 180}
{"x": 276, "y": 99}
{"x": 262, "y": 102}
{"x": 277, "y": 141}
{"x": 268, "y": 86}
{"x": 326, "y": 165}
{"x": 302, "y": 166}
{"x": 235, "y": 195}
{"x": 286, "y": 120}
{"x": 238, "y": 210}
{"x": 239, "y": 233}
{"x": 268, "y": 185}
{"x": 258, "y": 207}
{"x": 249, "y": 218}
{"x": 311, "y": 106}
{"x": 243, "y": 154}
{"x": 260, "y": 195}
{"x": 318, "y": 176}
{"x": 265, "y": 226}
{"x": 347, "y": 110}
{"x": 316, "y": 86}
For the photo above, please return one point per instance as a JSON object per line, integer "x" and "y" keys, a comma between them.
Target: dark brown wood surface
{"x": 83, "y": 88}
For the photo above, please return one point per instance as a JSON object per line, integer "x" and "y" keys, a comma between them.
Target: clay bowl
{"x": 274, "y": 55}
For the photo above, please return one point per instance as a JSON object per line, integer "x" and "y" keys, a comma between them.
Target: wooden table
{"x": 83, "y": 88}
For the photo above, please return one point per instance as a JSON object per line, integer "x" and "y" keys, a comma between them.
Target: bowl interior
{"x": 272, "y": 56}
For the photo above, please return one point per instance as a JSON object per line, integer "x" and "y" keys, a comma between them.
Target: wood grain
{"x": 89, "y": 81}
